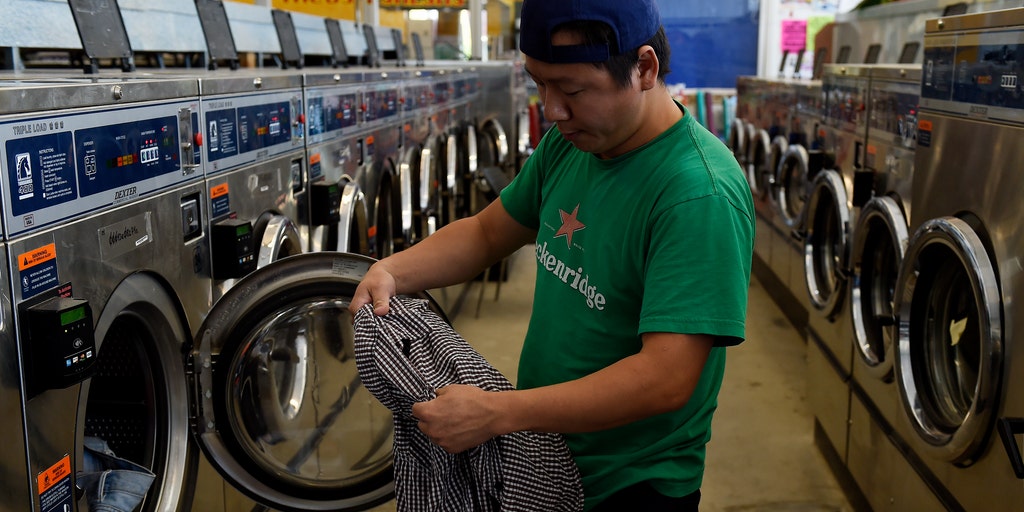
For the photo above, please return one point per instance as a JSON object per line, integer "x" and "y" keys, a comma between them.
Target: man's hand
{"x": 460, "y": 418}
{"x": 377, "y": 288}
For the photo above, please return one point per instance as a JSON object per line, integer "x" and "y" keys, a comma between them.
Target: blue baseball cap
{"x": 634, "y": 22}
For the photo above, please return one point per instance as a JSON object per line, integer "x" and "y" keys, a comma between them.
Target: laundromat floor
{"x": 761, "y": 456}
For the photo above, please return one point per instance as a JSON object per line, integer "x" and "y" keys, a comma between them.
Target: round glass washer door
{"x": 880, "y": 241}
{"x": 281, "y": 411}
{"x": 790, "y": 184}
{"x": 950, "y": 347}
{"x": 826, "y": 243}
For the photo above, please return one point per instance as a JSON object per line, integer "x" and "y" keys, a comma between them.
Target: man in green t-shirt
{"x": 644, "y": 228}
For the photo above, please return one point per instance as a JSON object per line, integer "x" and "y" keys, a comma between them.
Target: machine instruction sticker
{"x": 220, "y": 202}
{"x": 37, "y": 270}
{"x": 54, "y": 486}
{"x": 44, "y": 171}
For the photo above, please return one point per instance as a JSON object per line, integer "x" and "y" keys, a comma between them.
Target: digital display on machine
{"x": 243, "y": 229}
{"x": 72, "y": 315}
{"x": 419, "y": 96}
{"x": 117, "y": 155}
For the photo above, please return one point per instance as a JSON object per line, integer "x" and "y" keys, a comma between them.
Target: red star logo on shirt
{"x": 570, "y": 225}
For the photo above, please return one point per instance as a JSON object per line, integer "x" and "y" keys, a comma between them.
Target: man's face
{"x": 591, "y": 110}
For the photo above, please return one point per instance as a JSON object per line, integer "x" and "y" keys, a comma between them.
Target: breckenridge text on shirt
{"x": 576, "y": 279}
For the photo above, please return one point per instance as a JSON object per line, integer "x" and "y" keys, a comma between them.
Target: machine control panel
{"x": 380, "y": 104}
{"x": 973, "y": 74}
{"x": 331, "y": 113}
{"x": 241, "y": 130}
{"x": 232, "y": 249}
{"x": 61, "y": 348}
{"x": 59, "y": 167}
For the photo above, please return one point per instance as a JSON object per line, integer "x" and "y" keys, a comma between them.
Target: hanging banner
{"x": 424, "y": 4}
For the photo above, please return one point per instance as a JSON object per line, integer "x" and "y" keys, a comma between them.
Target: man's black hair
{"x": 623, "y": 61}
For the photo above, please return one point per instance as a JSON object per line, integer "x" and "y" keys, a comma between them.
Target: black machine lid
{"x": 102, "y": 32}
{"x": 290, "y": 52}
{"x": 220, "y": 44}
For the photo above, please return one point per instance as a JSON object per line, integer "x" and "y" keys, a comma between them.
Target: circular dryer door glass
{"x": 825, "y": 243}
{"x": 282, "y": 413}
{"x": 950, "y": 341}
{"x": 878, "y": 248}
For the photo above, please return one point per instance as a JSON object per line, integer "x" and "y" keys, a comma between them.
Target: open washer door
{"x": 950, "y": 351}
{"x": 345, "y": 230}
{"x": 281, "y": 412}
{"x": 827, "y": 243}
{"x": 880, "y": 241}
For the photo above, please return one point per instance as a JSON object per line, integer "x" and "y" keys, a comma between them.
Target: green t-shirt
{"x": 657, "y": 240}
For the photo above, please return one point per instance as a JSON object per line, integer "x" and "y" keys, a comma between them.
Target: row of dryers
{"x": 906, "y": 240}
{"x": 179, "y": 253}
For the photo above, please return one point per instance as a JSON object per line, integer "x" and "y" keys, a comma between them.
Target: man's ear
{"x": 647, "y": 67}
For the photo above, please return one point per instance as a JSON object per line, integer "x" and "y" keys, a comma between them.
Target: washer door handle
{"x": 1009, "y": 428}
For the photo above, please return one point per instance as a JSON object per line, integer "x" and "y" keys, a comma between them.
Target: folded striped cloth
{"x": 402, "y": 358}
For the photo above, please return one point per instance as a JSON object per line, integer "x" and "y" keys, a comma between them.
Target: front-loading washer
{"x": 829, "y": 215}
{"x": 879, "y": 243}
{"x": 254, "y": 159}
{"x": 335, "y": 146}
{"x": 390, "y": 227}
{"x": 958, "y": 361}
{"x": 284, "y": 331}
{"x": 104, "y": 204}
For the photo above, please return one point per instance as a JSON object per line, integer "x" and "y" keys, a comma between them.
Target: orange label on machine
{"x": 38, "y": 256}
{"x": 219, "y": 190}
{"x": 924, "y": 125}
{"x": 54, "y": 474}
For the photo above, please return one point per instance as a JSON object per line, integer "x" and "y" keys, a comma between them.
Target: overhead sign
{"x": 424, "y": 4}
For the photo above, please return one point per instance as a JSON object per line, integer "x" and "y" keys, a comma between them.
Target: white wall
{"x": 773, "y": 13}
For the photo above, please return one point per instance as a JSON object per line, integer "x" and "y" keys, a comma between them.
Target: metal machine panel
{"x": 72, "y": 162}
{"x": 958, "y": 362}
{"x": 108, "y": 213}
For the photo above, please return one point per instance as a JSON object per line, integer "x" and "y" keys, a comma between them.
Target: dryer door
{"x": 738, "y": 140}
{"x": 880, "y": 240}
{"x": 789, "y": 185}
{"x": 493, "y": 143}
{"x": 826, "y": 242}
{"x": 760, "y": 149}
{"x": 408, "y": 199}
{"x": 277, "y": 237}
{"x": 950, "y": 347}
{"x": 281, "y": 412}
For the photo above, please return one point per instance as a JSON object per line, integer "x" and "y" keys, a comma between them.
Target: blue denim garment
{"x": 111, "y": 484}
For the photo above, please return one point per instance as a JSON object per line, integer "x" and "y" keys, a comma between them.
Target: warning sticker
{"x": 37, "y": 257}
{"x": 219, "y": 190}
{"x": 55, "y": 487}
{"x": 38, "y": 270}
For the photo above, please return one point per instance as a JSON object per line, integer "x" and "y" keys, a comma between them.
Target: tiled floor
{"x": 761, "y": 456}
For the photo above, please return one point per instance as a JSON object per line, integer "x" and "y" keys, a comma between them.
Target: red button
{"x": 198, "y": 140}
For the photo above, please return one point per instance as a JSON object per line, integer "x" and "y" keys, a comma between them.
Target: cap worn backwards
{"x": 633, "y": 22}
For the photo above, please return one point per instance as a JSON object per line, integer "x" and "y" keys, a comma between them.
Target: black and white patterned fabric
{"x": 402, "y": 358}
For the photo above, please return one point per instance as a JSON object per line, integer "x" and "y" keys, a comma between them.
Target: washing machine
{"x": 958, "y": 362}
{"x": 104, "y": 205}
{"x": 335, "y": 144}
{"x": 796, "y": 160}
{"x": 420, "y": 164}
{"x": 254, "y": 161}
{"x": 449, "y": 124}
{"x": 382, "y": 182}
{"x": 877, "y": 455}
{"x": 830, "y": 213}
{"x": 462, "y": 118}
